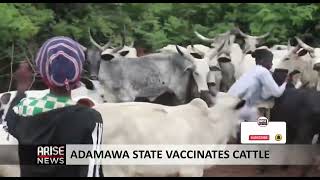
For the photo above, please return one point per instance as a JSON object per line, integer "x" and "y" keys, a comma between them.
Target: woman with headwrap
{"x": 54, "y": 118}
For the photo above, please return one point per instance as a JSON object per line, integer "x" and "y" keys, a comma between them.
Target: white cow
{"x": 146, "y": 123}
{"x": 108, "y": 53}
{"x": 200, "y": 52}
{"x": 122, "y": 51}
{"x": 232, "y": 59}
{"x": 313, "y": 67}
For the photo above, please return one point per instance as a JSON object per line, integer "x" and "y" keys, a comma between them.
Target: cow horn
{"x": 197, "y": 50}
{"x": 123, "y": 40}
{"x": 179, "y": 51}
{"x": 263, "y": 36}
{"x": 107, "y": 45}
{"x": 93, "y": 41}
{"x": 132, "y": 44}
{"x": 215, "y": 51}
{"x": 204, "y": 38}
{"x": 242, "y": 33}
{"x": 83, "y": 48}
{"x": 116, "y": 49}
{"x": 289, "y": 45}
{"x": 187, "y": 55}
{"x": 304, "y": 45}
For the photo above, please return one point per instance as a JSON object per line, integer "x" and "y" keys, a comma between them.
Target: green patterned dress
{"x": 32, "y": 106}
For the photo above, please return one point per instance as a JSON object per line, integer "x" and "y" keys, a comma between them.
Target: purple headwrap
{"x": 60, "y": 61}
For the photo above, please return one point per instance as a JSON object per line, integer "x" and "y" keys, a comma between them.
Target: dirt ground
{"x": 251, "y": 171}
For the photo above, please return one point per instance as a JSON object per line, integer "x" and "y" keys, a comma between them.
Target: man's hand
{"x": 23, "y": 77}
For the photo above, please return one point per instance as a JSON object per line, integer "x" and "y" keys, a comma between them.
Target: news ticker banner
{"x": 116, "y": 154}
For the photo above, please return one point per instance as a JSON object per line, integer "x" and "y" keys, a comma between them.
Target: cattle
{"x": 223, "y": 43}
{"x": 232, "y": 59}
{"x": 298, "y": 59}
{"x": 292, "y": 59}
{"x": 147, "y": 123}
{"x": 106, "y": 52}
{"x": 251, "y": 42}
{"x": 206, "y": 54}
{"x": 152, "y": 75}
{"x": 302, "y": 123}
{"x": 313, "y": 57}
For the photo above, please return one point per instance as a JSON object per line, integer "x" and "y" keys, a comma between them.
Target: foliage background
{"x": 25, "y": 26}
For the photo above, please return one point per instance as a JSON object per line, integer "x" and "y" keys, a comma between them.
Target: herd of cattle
{"x": 184, "y": 88}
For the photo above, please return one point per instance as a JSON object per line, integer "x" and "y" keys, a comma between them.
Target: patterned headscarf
{"x": 60, "y": 61}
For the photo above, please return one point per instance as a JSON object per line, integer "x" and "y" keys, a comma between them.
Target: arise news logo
{"x": 51, "y": 155}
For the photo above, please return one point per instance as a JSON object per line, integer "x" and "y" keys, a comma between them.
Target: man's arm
{"x": 270, "y": 87}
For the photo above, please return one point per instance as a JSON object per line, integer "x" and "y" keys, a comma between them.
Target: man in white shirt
{"x": 257, "y": 85}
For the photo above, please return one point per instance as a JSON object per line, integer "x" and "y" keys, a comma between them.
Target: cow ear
{"x": 240, "y": 104}
{"x": 179, "y": 51}
{"x": 302, "y": 52}
{"x": 5, "y": 98}
{"x": 124, "y": 53}
{"x": 107, "y": 57}
{"x": 214, "y": 68}
{"x": 196, "y": 55}
{"x": 190, "y": 67}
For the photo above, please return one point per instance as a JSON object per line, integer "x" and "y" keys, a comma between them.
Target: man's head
{"x": 263, "y": 57}
{"x": 59, "y": 62}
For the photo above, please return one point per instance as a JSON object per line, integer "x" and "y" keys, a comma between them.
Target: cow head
{"x": 251, "y": 42}
{"x": 106, "y": 53}
{"x": 122, "y": 51}
{"x": 94, "y": 56}
{"x": 297, "y": 59}
{"x": 222, "y": 42}
{"x": 225, "y": 115}
{"x": 314, "y": 53}
{"x": 220, "y": 56}
{"x": 199, "y": 68}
